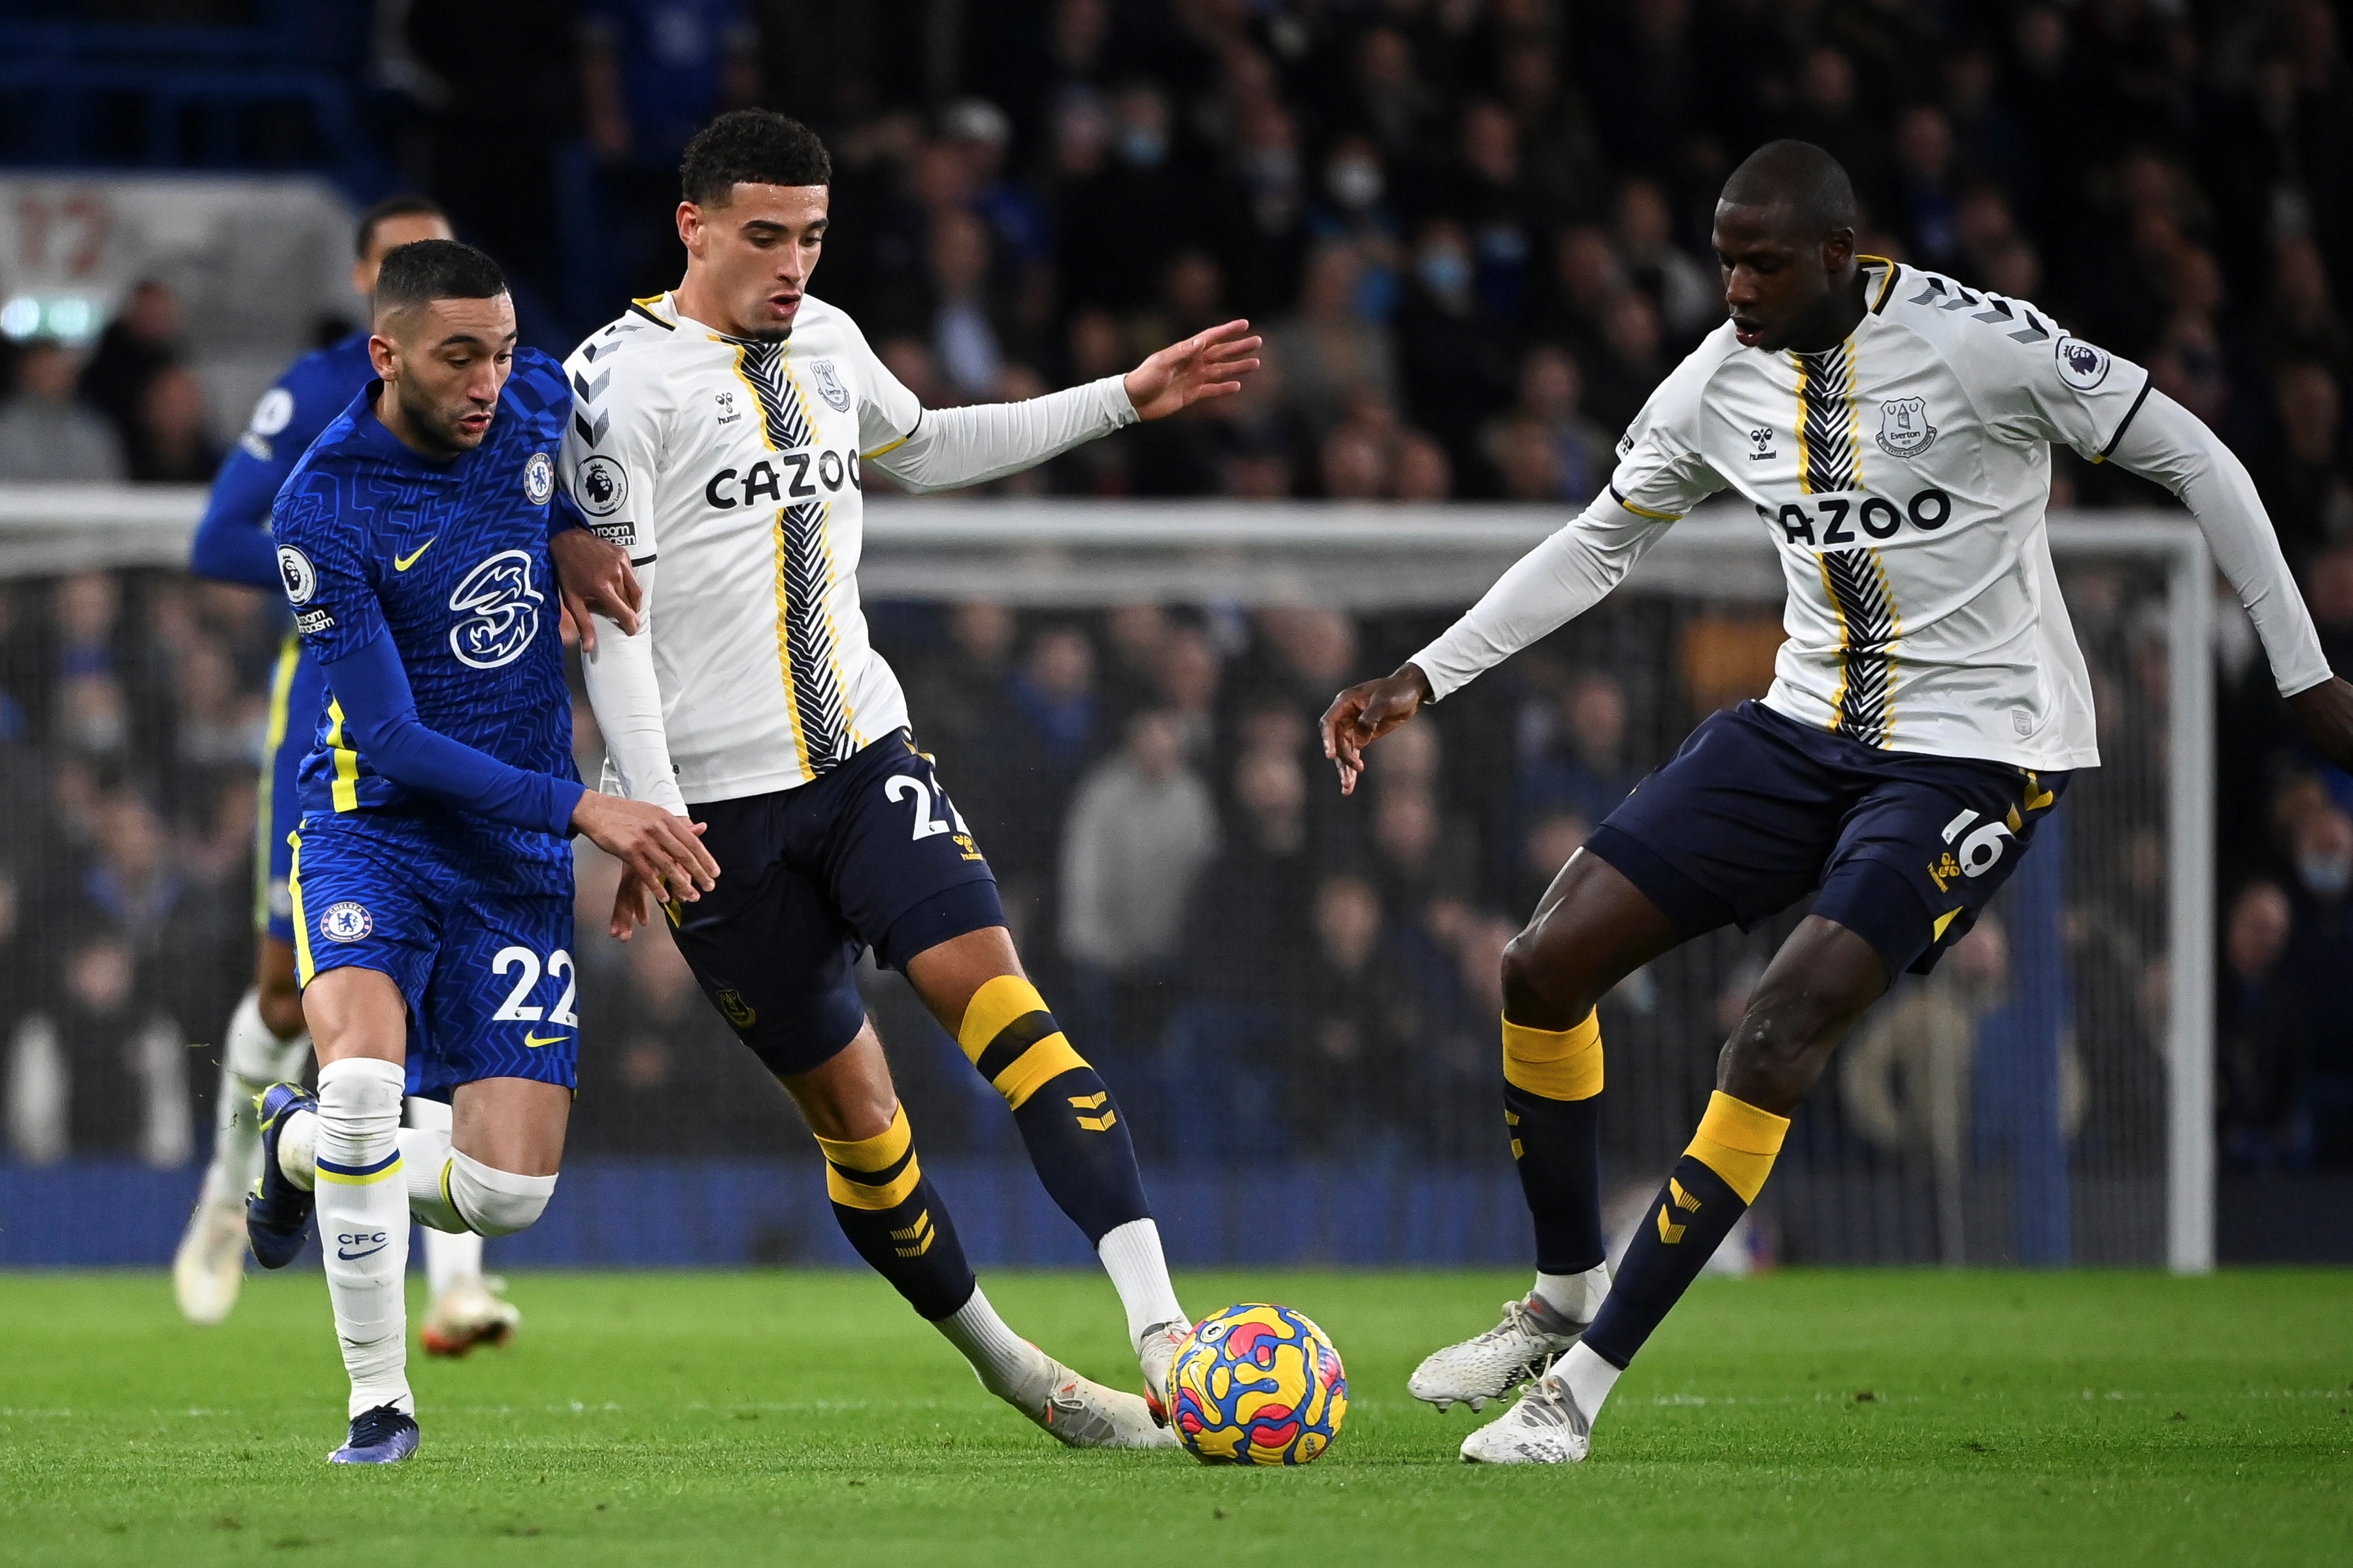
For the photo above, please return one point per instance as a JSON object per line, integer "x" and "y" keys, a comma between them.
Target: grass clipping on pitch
{"x": 1805, "y": 1418}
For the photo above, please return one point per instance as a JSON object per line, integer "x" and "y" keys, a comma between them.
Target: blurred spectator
{"x": 2309, "y": 489}
{"x": 1141, "y": 827}
{"x": 965, "y": 339}
{"x": 45, "y": 434}
{"x": 1331, "y": 357}
{"x": 1248, "y": 922}
{"x": 1689, "y": 298}
{"x": 2319, "y": 954}
{"x": 1573, "y": 753}
{"x": 1546, "y": 448}
{"x": 141, "y": 343}
{"x": 103, "y": 1073}
{"x": 2264, "y": 1038}
{"x": 1452, "y": 358}
{"x": 169, "y": 441}
{"x": 1357, "y": 1021}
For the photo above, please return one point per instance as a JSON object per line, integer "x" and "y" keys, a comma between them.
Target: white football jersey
{"x": 1903, "y": 476}
{"x": 735, "y": 462}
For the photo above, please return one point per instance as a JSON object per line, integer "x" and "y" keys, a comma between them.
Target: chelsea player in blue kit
{"x": 431, "y": 879}
{"x": 266, "y": 1040}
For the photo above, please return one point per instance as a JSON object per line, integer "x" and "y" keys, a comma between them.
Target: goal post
{"x": 2143, "y": 1193}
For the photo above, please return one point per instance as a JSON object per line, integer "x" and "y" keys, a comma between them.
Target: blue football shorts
{"x": 873, "y": 854}
{"x": 297, "y": 692}
{"x": 1758, "y": 810}
{"x": 488, "y": 973}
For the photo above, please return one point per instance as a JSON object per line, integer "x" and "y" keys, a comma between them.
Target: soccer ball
{"x": 1257, "y": 1384}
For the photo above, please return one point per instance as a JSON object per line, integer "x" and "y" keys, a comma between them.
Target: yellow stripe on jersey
{"x": 273, "y": 735}
{"x": 346, "y": 791}
{"x": 304, "y": 968}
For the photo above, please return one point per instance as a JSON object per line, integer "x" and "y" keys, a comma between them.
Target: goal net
{"x": 1294, "y": 995}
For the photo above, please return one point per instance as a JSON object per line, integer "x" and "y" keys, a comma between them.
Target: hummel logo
{"x": 1103, "y": 1123}
{"x": 531, "y": 1039}
{"x": 403, "y": 562}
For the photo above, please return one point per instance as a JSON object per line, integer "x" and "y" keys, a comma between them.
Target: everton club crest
{"x": 828, "y": 384}
{"x": 1903, "y": 427}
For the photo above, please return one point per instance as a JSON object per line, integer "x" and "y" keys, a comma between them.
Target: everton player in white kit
{"x": 717, "y": 437}
{"x": 1892, "y": 429}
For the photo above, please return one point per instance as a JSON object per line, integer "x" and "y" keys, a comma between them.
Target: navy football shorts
{"x": 488, "y": 974}
{"x": 297, "y": 691}
{"x": 871, "y": 854}
{"x": 1756, "y": 810}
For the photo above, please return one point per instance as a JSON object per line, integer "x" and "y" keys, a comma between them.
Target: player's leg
{"x": 266, "y": 1041}
{"x": 1592, "y": 928}
{"x": 974, "y": 985}
{"x": 894, "y": 1215}
{"x": 1919, "y": 853}
{"x": 466, "y": 1308}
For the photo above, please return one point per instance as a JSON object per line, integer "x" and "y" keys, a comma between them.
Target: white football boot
{"x": 470, "y": 1312}
{"x": 1521, "y": 1347}
{"x": 209, "y": 1269}
{"x": 1158, "y": 1356}
{"x": 1082, "y": 1414}
{"x": 1545, "y": 1427}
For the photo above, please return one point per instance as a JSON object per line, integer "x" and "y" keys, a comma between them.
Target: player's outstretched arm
{"x": 948, "y": 449}
{"x": 1366, "y": 711}
{"x": 2167, "y": 444}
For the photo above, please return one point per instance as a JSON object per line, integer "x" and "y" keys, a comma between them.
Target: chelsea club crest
{"x": 538, "y": 479}
{"x": 828, "y": 384}
{"x": 1903, "y": 427}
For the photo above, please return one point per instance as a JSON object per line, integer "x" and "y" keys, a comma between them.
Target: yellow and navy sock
{"x": 1552, "y": 1107}
{"x": 894, "y": 1215}
{"x": 1068, "y": 1118}
{"x": 1719, "y": 1177}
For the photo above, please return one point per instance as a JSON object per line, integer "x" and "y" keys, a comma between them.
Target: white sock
{"x": 1575, "y": 1297}
{"x": 1131, "y": 1255}
{"x": 363, "y": 1226}
{"x": 252, "y": 1058}
{"x": 1589, "y": 1377}
{"x": 1008, "y": 1366}
{"x": 453, "y": 1253}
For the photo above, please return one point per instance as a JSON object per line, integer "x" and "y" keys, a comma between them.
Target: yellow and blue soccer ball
{"x": 1257, "y": 1384}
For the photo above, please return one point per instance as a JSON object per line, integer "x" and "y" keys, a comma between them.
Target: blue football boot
{"x": 384, "y": 1435}
{"x": 278, "y": 1215}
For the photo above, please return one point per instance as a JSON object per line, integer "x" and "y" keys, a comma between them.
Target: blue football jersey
{"x": 233, "y": 541}
{"x": 451, "y": 561}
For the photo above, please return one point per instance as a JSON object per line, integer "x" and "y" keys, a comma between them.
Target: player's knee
{"x": 494, "y": 1202}
{"x": 1542, "y": 986}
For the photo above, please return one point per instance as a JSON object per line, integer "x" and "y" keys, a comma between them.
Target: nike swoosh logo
{"x": 403, "y": 562}
{"x": 552, "y": 1040}
{"x": 355, "y": 1256}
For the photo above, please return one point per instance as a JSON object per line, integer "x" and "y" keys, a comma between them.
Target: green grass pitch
{"x": 733, "y": 1418}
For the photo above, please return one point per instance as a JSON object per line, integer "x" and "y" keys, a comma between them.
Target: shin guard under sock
{"x": 1068, "y": 1118}
{"x": 1551, "y": 1104}
{"x": 363, "y": 1226}
{"x": 1717, "y": 1178}
{"x": 894, "y": 1216}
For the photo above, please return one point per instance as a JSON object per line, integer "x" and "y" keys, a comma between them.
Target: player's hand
{"x": 663, "y": 851}
{"x": 633, "y": 906}
{"x": 594, "y": 576}
{"x": 1206, "y": 364}
{"x": 2325, "y": 711}
{"x": 1366, "y": 711}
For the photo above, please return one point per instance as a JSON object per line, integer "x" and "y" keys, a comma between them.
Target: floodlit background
{"x": 1476, "y": 235}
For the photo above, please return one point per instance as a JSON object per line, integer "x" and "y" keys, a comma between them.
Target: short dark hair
{"x": 427, "y": 269}
{"x": 1813, "y": 183}
{"x": 408, "y": 206}
{"x": 752, "y": 147}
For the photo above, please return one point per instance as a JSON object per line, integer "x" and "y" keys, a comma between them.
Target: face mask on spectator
{"x": 2325, "y": 875}
{"x": 1355, "y": 183}
{"x": 1143, "y": 146}
{"x": 1444, "y": 269}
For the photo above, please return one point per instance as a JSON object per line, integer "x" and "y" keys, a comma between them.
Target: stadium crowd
{"x": 1475, "y": 234}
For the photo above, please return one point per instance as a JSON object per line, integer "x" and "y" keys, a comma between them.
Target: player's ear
{"x": 383, "y": 354}
{"x": 1838, "y": 249}
{"x": 690, "y": 226}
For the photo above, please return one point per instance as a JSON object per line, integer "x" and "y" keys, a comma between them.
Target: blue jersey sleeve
{"x": 380, "y": 715}
{"x": 328, "y": 578}
{"x": 233, "y": 541}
